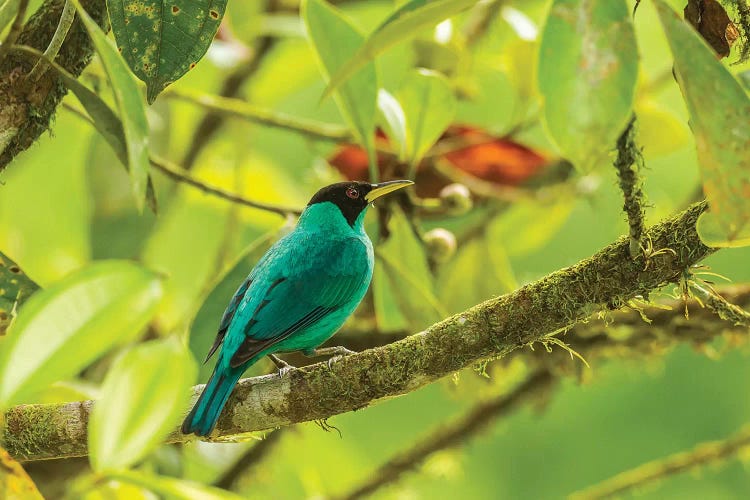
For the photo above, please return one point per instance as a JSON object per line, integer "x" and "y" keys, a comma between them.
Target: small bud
{"x": 440, "y": 244}
{"x": 456, "y": 199}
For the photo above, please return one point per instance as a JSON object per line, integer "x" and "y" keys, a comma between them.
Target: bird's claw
{"x": 282, "y": 365}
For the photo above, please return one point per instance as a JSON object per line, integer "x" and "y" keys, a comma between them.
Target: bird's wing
{"x": 300, "y": 286}
{"x": 226, "y": 318}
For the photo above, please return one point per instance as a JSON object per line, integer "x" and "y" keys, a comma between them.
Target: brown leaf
{"x": 713, "y": 23}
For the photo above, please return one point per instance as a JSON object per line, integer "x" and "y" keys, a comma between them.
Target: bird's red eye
{"x": 352, "y": 193}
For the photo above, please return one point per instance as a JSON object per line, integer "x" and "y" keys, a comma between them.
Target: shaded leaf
{"x": 8, "y": 11}
{"x": 588, "y": 65}
{"x": 429, "y": 107}
{"x": 335, "y": 40}
{"x": 129, "y": 104}
{"x": 61, "y": 329}
{"x": 173, "y": 488}
{"x": 15, "y": 288}
{"x": 403, "y": 24}
{"x": 719, "y": 110}
{"x": 15, "y": 484}
{"x": 142, "y": 398}
{"x": 160, "y": 40}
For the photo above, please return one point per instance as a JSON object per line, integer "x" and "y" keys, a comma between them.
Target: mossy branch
{"x": 607, "y": 280}
{"x": 27, "y": 107}
{"x": 628, "y": 164}
{"x": 703, "y": 454}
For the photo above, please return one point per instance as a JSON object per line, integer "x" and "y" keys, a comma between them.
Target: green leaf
{"x": 526, "y": 226}
{"x": 8, "y": 11}
{"x": 404, "y": 263}
{"x": 172, "y": 488}
{"x": 61, "y": 329}
{"x": 15, "y": 288}
{"x": 588, "y": 65}
{"x": 160, "y": 40}
{"x": 660, "y": 131}
{"x": 393, "y": 120}
{"x": 429, "y": 107}
{"x": 129, "y": 104}
{"x": 719, "y": 109}
{"x": 403, "y": 24}
{"x": 478, "y": 272}
{"x": 15, "y": 484}
{"x": 335, "y": 40}
{"x": 143, "y": 396}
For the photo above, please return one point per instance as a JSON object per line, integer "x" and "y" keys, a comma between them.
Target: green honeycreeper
{"x": 298, "y": 294}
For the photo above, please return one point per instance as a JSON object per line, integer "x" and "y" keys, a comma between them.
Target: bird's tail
{"x": 202, "y": 418}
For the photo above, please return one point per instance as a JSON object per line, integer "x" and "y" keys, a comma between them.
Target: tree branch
{"x": 702, "y": 455}
{"x": 607, "y": 280}
{"x": 27, "y": 107}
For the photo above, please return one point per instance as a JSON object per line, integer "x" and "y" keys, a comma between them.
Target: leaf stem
{"x": 628, "y": 163}
{"x": 66, "y": 21}
{"x": 15, "y": 29}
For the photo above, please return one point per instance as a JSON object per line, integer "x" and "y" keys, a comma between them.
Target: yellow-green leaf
{"x": 142, "y": 398}
{"x": 160, "y": 40}
{"x": 429, "y": 107}
{"x": 172, "y": 488}
{"x": 61, "y": 329}
{"x": 15, "y": 484}
{"x": 8, "y": 11}
{"x": 335, "y": 40}
{"x": 403, "y": 24}
{"x": 129, "y": 104}
{"x": 719, "y": 109}
{"x": 588, "y": 66}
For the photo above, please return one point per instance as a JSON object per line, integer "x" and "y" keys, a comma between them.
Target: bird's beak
{"x": 384, "y": 188}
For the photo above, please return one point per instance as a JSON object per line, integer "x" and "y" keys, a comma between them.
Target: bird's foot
{"x": 282, "y": 365}
{"x": 337, "y": 352}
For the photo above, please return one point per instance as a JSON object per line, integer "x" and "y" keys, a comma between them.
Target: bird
{"x": 298, "y": 294}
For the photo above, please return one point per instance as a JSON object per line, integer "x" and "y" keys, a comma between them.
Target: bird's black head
{"x": 354, "y": 196}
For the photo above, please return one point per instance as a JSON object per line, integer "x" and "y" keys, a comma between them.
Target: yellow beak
{"x": 384, "y": 188}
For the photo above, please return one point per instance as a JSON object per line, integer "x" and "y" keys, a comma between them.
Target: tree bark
{"x": 606, "y": 281}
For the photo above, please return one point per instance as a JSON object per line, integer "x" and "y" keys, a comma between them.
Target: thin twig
{"x": 703, "y": 454}
{"x": 451, "y": 435}
{"x": 15, "y": 29}
{"x": 211, "y": 123}
{"x": 237, "y": 108}
{"x": 176, "y": 173}
{"x": 66, "y": 21}
{"x": 628, "y": 163}
{"x": 721, "y": 306}
{"x": 180, "y": 175}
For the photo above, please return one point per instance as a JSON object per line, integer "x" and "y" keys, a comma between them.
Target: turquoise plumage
{"x": 298, "y": 294}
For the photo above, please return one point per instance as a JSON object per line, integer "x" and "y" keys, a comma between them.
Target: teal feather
{"x": 295, "y": 298}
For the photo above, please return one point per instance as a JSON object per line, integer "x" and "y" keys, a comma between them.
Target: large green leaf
{"x": 172, "y": 488}
{"x": 144, "y": 394}
{"x": 15, "y": 484}
{"x": 403, "y": 24}
{"x": 429, "y": 107}
{"x": 129, "y": 104}
{"x": 719, "y": 117}
{"x": 63, "y": 328}
{"x": 588, "y": 65}
{"x": 162, "y": 40}
{"x": 335, "y": 41}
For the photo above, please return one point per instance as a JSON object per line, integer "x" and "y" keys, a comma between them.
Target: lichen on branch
{"x": 607, "y": 280}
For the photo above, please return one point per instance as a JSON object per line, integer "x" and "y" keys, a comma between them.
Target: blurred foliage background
{"x": 67, "y": 202}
